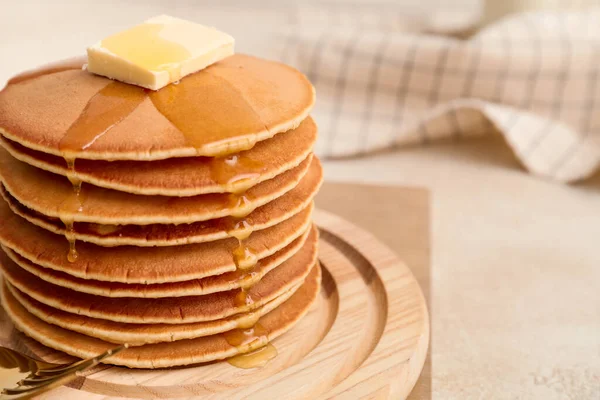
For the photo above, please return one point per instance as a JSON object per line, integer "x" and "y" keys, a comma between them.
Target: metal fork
{"x": 44, "y": 376}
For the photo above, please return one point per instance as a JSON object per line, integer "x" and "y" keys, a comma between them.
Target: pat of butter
{"x": 159, "y": 51}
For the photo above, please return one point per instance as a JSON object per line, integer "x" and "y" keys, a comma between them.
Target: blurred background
{"x": 490, "y": 105}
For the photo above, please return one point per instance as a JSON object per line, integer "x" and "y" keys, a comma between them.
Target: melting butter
{"x": 159, "y": 51}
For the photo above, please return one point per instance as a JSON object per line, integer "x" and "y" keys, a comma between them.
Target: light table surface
{"x": 515, "y": 278}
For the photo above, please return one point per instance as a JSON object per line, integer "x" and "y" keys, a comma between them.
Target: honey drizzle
{"x": 207, "y": 124}
{"x": 243, "y": 256}
{"x": 178, "y": 103}
{"x": 104, "y": 110}
{"x": 245, "y": 338}
{"x": 237, "y": 173}
{"x": 254, "y": 359}
{"x": 249, "y": 328}
{"x": 73, "y": 202}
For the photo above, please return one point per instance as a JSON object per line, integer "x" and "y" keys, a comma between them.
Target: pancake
{"x": 307, "y": 244}
{"x": 140, "y": 334}
{"x": 53, "y": 196}
{"x": 263, "y": 217}
{"x": 187, "y": 176}
{"x": 168, "y": 310}
{"x": 225, "y": 108}
{"x": 129, "y": 264}
{"x": 162, "y": 355}
{"x": 50, "y": 68}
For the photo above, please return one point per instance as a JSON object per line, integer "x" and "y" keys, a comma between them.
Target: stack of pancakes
{"x": 177, "y": 221}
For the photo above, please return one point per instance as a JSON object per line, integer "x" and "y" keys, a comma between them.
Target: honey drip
{"x": 243, "y": 298}
{"x": 237, "y": 172}
{"x": 245, "y": 338}
{"x": 70, "y": 233}
{"x": 104, "y": 110}
{"x": 255, "y": 359}
{"x": 180, "y": 105}
{"x": 73, "y": 203}
{"x": 249, "y": 320}
{"x": 243, "y": 256}
{"x": 112, "y": 104}
{"x": 240, "y": 205}
{"x": 209, "y": 122}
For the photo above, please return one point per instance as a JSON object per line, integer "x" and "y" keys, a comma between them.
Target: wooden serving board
{"x": 366, "y": 337}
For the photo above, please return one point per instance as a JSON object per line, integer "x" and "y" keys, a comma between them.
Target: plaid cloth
{"x": 533, "y": 76}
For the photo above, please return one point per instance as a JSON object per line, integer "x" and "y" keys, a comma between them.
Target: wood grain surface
{"x": 401, "y": 220}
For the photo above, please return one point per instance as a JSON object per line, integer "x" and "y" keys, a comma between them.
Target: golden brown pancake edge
{"x": 162, "y": 355}
{"x": 265, "y": 216}
{"x": 170, "y": 310}
{"x": 129, "y": 264}
{"x": 196, "y": 287}
{"x": 37, "y": 113}
{"x": 189, "y": 176}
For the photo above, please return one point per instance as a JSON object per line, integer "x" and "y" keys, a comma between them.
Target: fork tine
{"x": 27, "y": 392}
{"x": 36, "y": 384}
{"x": 76, "y": 365}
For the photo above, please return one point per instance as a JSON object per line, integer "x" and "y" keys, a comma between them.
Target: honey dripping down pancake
{"x": 141, "y": 334}
{"x": 168, "y": 310}
{"x": 263, "y": 217}
{"x": 168, "y": 354}
{"x": 43, "y": 192}
{"x": 127, "y": 264}
{"x": 183, "y": 176}
{"x": 195, "y": 287}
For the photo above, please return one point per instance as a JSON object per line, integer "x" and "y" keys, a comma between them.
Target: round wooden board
{"x": 366, "y": 337}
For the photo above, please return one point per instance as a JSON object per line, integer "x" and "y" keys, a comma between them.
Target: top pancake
{"x": 185, "y": 176}
{"x": 225, "y": 108}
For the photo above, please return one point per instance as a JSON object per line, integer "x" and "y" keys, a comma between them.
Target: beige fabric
{"x": 534, "y": 76}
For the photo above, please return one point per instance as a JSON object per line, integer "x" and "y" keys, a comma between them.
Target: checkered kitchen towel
{"x": 534, "y": 76}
